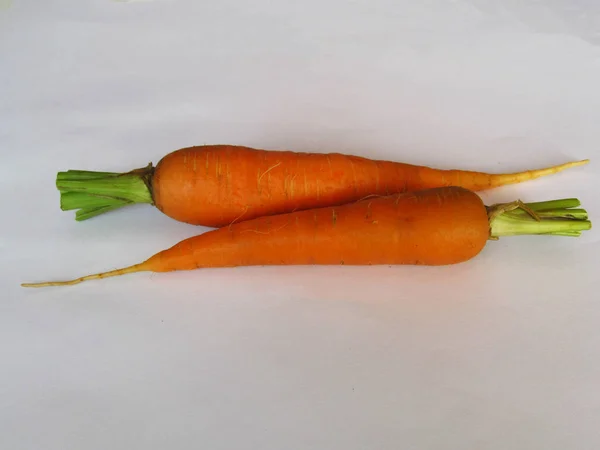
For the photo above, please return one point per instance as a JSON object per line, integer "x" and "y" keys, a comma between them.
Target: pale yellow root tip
{"x": 112, "y": 273}
{"x": 568, "y": 165}
{"x": 512, "y": 178}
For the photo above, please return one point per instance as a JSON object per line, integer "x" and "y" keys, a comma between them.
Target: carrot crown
{"x": 94, "y": 193}
{"x": 554, "y": 217}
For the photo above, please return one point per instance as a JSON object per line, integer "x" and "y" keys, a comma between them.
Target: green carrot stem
{"x": 554, "y": 204}
{"x": 73, "y": 175}
{"x": 94, "y": 193}
{"x": 87, "y": 213}
{"x": 556, "y": 217}
{"x": 70, "y": 200}
{"x": 565, "y": 233}
{"x": 559, "y": 213}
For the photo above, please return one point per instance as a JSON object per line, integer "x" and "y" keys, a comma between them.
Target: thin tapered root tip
{"x": 577, "y": 163}
{"x": 561, "y": 167}
{"x": 519, "y": 177}
{"x": 52, "y": 283}
{"x": 112, "y": 273}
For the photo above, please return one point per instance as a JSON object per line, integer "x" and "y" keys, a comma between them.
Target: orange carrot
{"x": 217, "y": 185}
{"x": 436, "y": 226}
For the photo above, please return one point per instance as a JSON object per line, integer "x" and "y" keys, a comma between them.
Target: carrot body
{"x": 216, "y": 185}
{"x": 432, "y": 227}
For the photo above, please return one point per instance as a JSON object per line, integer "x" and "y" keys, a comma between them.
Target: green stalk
{"x": 556, "y": 218}
{"x": 95, "y": 193}
{"x": 554, "y": 204}
{"x": 560, "y": 213}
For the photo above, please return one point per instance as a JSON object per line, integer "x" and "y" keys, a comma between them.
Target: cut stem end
{"x": 555, "y": 217}
{"x": 95, "y": 193}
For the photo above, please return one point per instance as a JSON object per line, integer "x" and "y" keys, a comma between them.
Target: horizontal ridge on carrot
{"x": 216, "y": 185}
{"x": 437, "y": 226}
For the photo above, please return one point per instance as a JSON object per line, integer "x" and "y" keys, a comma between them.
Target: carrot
{"x": 436, "y": 226}
{"x": 217, "y": 185}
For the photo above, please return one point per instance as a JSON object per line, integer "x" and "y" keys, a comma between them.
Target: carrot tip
{"x": 50, "y": 283}
{"x": 113, "y": 273}
{"x": 579, "y": 163}
{"x": 518, "y": 177}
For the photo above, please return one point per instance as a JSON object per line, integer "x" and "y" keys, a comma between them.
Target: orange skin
{"x": 438, "y": 226}
{"x": 217, "y": 185}
{"x": 433, "y": 227}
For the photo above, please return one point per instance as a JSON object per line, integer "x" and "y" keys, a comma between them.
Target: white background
{"x": 502, "y": 352}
